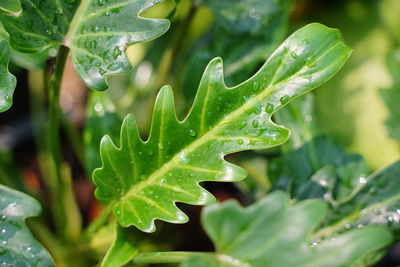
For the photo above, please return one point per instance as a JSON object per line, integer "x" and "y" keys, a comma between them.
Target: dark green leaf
{"x": 272, "y": 232}
{"x": 249, "y": 16}
{"x": 377, "y": 201}
{"x": 18, "y": 247}
{"x": 143, "y": 180}
{"x": 101, "y": 119}
{"x": 7, "y": 80}
{"x": 97, "y": 32}
{"x": 256, "y": 43}
{"x": 312, "y": 165}
{"x": 120, "y": 252}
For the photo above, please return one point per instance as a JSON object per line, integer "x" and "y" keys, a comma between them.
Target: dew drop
{"x": 192, "y": 132}
{"x": 255, "y": 123}
{"x": 306, "y": 41}
{"x": 293, "y": 55}
{"x": 240, "y": 141}
{"x": 284, "y": 99}
{"x": 269, "y": 108}
{"x": 160, "y": 146}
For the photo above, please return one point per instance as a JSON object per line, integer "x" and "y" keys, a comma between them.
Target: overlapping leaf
{"x": 272, "y": 232}
{"x": 7, "y": 80}
{"x": 312, "y": 165}
{"x": 17, "y": 245}
{"x": 97, "y": 32}
{"x": 145, "y": 179}
{"x": 260, "y": 25}
{"x": 376, "y": 201}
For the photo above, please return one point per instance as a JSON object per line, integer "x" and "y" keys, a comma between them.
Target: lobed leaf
{"x": 272, "y": 232}
{"x": 7, "y": 80}
{"x": 17, "y": 245}
{"x": 143, "y": 180}
{"x": 97, "y": 32}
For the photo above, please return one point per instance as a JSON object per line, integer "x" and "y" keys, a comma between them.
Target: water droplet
{"x": 284, "y": 99}
{"x": 240, "y": 141}
{"x": 293, "y": 55}
{"x": 255, "y": 123}
{"x": 101, "y": 71}
{"x": 3, "y": 217}
{"x": 192, "y": 132}
{"x": 362, "y": 180}
{"x": 269, "y": 108}
{"x": 256, "y": 86}
{"x": 306, "y": 41}
{"x": 150, "y": 152}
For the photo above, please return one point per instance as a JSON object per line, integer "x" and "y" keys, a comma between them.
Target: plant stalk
{"x": 166, "y": 257}
{"x": 53, "y": 138}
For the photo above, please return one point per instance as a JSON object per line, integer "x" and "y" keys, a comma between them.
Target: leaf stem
{"x": 167, "y": 257}
{"x": 181, "y": 256}
{"x": 53, "y": 137}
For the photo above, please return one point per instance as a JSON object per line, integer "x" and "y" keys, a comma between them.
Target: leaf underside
{"x": 7, "y": 80}
{"x": 97, "y": 32}
{"x": 143, "y": 180}
{"x": 272, "y": 232}
{"x": 17, "y": 245}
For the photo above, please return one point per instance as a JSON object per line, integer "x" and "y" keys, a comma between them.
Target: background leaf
{"x": 97, "y": 32}
{"x": 272, "y": 232}
{"x": 18, "y": 247}
{"x": 7, "y": 80}
{"x": 144, "y": 179}
{"x": 101, "y": 119}
{"x": 120, "y": 252}
{"x": 392, "y": 95}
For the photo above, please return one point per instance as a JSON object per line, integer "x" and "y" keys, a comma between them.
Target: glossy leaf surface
{"x": 143, "y": 180}
{"x": 17, "y": 245}
{"x": 312, "y": 165}
{"x": 376, "y": 201}
{"x": 97, "y": 32}
{"x": 10, "y": 6}
{"x": 272, "y": 232}
{"x": 7, "y": 80}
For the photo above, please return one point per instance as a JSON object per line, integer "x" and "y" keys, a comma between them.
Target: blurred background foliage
{"x": 341, "y": 134}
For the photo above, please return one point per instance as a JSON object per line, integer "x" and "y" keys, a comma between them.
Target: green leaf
{"x": 392, "y": 95}
{"x": 101, "y": 119}
{"x": 143, "y": 180}
{"x": 97, "y": 32}
{"x": 7, "y": 80}
{"x": 272, "y": 232}
{"x": 377, "y": 201}
{"x": 259, "y": 36}
{"x": 13, "y": 6}
{"x": 249, "y": 16}
{"x": 18, "y": 247}
{"x": 313, "y": 166}
{"x": 120, "y": 252}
